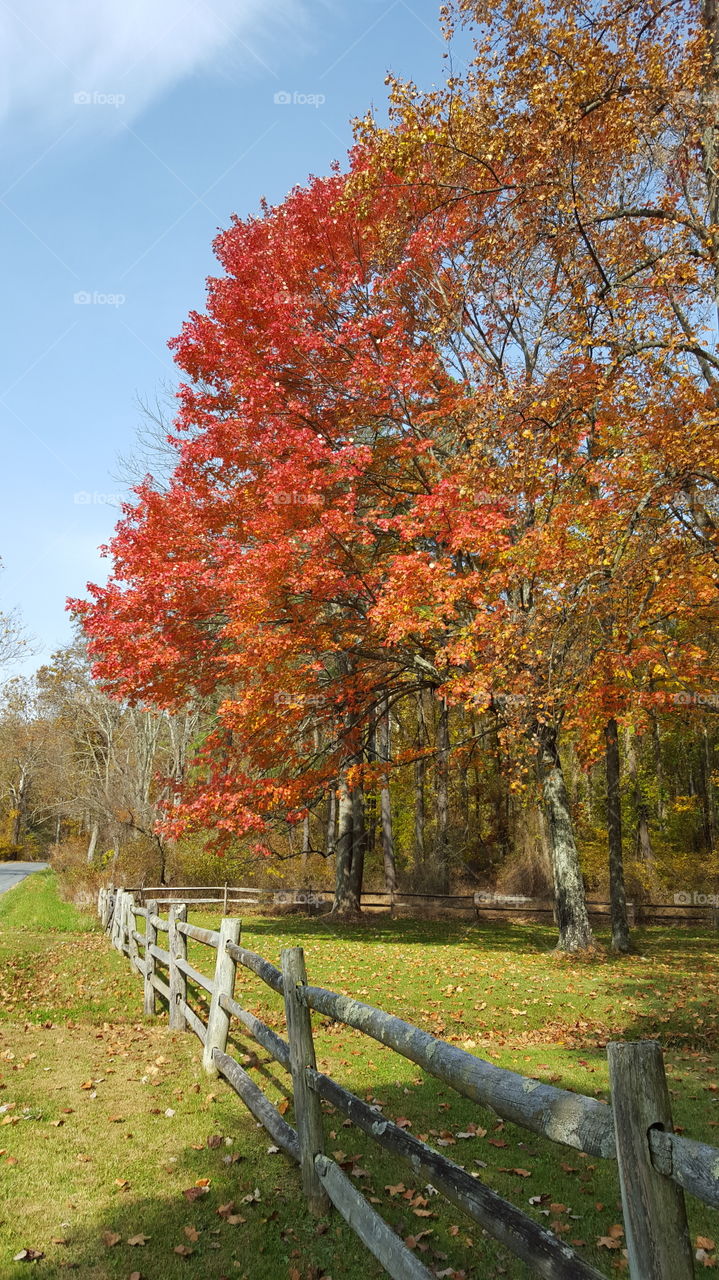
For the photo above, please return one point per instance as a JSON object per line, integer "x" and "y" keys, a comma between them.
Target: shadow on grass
{"x": 436, "y": 933}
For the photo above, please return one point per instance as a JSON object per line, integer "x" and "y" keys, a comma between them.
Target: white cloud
{"x": 51, "y": 51}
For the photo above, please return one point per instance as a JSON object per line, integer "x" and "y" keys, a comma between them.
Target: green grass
{"x": 497, "y": 990}
{"x": 34, "y": 905}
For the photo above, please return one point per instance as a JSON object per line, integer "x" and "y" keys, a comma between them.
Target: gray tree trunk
{"x": 641, "y": 807}
{"x": 92, "y": 845}
{"x": 441, "y": 849}
{"x": 305, "y": 847}
{"x": 617, "y": 892}
{"x": 384, "y": 748}
{"x": 331, "y": 820}
{"x": 359, "y": 843}
{"x": 349, "y": 866}
{"x": 419, "y": 850}
{"x": 575, "y": 931}
{"x": 419, "y": 776}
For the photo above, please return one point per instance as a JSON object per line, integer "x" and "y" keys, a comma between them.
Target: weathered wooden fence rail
{"x": 468, "y": 906}
{"x": 656, "y": 1165}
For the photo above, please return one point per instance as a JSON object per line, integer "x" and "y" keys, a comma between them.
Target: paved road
{"x": 11, "y": 873}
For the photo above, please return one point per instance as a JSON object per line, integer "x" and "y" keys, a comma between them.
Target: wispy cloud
{"x": 60, "y": 58}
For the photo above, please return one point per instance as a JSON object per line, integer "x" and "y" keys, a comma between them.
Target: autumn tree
{"x": 448, "y": 433}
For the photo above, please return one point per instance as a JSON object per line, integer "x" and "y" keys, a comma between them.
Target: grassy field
{"x": 117, "y": 1152}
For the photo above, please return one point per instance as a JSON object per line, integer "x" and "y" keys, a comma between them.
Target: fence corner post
{"x": 308, "y": 1109}
{"x": 218, "y": 1020}
{"x": 177, "y": 946}
{"x": 655, "y": 1218}
{"x": 150, "y": 941}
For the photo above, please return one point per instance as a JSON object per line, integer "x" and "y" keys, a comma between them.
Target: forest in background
{"x": 86, "y": 781}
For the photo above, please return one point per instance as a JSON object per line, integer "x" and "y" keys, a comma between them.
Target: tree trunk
{"x": 305, "y": 848}
{"x": 500, "y": 796}
{"x": 644, "y": 840}
{"x": 617, "y": 893}
{"x": 162, "y": 851}
{"x": 331, "y": 820}
{"x": 370, "y": 804}
{"x": 384, "y": 748}
{"x": 572, "y": 919}
{"x": 441, "y": 850}
{"x": 348, "y": 876}
{"x": 20, "y": 808}
{"x": 93, "y": 843}
{"x": 419, "y": 816}
{"x": 658, "y": 767}
{"x": 359, "y": 843}
{"x": 709, "y": 791}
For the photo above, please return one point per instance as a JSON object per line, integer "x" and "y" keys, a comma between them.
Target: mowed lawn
{"x": 116, "y": 1151}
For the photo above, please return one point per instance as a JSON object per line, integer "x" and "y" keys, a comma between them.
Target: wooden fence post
{"x": 218, "y": 1022}
{"x": 177, "y": 946}
{"x": 117, "y": 919}
{"x": 128, "y": 924}
{"x": 132, "y": 947}
{"x": 150, "y": 941}
{"x": 655, "y": 1217}
{"x": 308, "y": 1109}
{"x": 123, "y": 923}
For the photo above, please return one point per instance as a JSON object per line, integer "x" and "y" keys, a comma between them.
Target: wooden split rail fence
{"x": 701, "y": 909}
{"x": 656, "y": 1165}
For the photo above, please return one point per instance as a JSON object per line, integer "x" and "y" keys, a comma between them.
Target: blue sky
{"x": 130, "y": 132}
